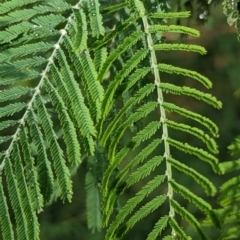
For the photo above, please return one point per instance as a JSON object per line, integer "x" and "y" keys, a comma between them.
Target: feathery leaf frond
{"x": 84, "y": 82}
{"x": 93, "y": 203}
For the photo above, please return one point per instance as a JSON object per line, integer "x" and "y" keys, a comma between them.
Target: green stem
{"x": 162, "y": 110}
{"x": 37, "y": 89}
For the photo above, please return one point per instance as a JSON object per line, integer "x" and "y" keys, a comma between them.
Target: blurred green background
{"x": 222, "y": 65}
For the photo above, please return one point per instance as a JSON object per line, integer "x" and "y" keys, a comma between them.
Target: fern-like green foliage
{"x": 71, "y": 86}
{"x": 231, "y": 9}
{"x": 229, "y": 196}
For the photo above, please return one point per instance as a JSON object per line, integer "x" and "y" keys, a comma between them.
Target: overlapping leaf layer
{"x": 84, "y": 80}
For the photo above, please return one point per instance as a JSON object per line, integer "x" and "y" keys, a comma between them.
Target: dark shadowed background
{"x": 222, "y": 65}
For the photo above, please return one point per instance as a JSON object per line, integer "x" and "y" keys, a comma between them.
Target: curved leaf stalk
{"x": 154, "y": 66}
{"x": 36, "y": 90}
